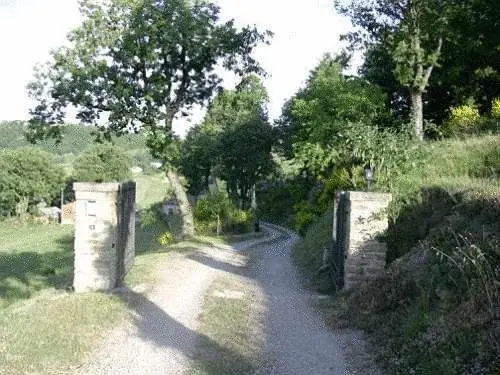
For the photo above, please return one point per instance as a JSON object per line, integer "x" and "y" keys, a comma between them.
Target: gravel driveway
{"x": 161, "y": 337}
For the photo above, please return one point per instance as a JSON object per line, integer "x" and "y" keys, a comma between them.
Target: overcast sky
{"x": 304, "y": 31}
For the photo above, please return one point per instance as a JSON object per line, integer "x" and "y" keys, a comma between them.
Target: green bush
{"x": 462, "y": 119}
{"x": 27, "y": 176}
{"x": 239, "y": 221}
{"x": 102, "y": 163}
{"x": 217, "y": 209}
{"x": 308, "y": 251}
{"x": 495, "y": 108}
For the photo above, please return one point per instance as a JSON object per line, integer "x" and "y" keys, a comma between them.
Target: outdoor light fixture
{"x": 369, "y": 176}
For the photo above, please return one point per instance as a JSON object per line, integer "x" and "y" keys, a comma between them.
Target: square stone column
{"x": 104, "y": 234}
{"x": 358, "y": 252}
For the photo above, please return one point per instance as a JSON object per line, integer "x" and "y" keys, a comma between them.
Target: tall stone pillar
{"x": 358, "y": 252}
{"x": 104, "y": 234}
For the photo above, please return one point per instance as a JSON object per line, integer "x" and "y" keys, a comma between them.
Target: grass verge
{"x": 33, "y": 258}
{"x": 226, "y": 327}
{"x": 51, "y": 333}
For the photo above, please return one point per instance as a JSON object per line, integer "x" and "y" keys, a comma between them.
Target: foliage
{"x": 102, "y": 163}
{"x": 216, "y": 213}
{"x": 233, "y": 143}
{"x": 143, "y": 63}
{"x": 197, "y": 157}
{"x": 315, "y": 119}
{"x": 412, "y": 32}
{"x": 495, "y": 108}
{"x": 166, "y": 238}
{"x": 213, "y": 205}
{"x": 462, "y": 119}
{"x": 27, "y": 176}
{"x": 308, "y": 251}
{"x": 466, "y": 69}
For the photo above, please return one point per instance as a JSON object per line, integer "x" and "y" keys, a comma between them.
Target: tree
{"x": 102, "y": 163}
{"x": 27, "y": 177}
{"x": 143, "y": 63}
{"x": 414, "y": 30}
{"x": 316, "y": 118}
{"x": 237, "y": 122}
{"x": 197, "y": 158}
{"x": 470, "y": 54}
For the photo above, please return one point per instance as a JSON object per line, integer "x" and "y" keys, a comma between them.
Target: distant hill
{"x": 76, "y": 139}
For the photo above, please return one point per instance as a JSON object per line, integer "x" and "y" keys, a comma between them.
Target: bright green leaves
{"x": 102, "y": 163}
{"x": 316, "y": 119}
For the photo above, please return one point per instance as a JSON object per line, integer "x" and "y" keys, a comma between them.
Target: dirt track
{"x": 161, "y": 337}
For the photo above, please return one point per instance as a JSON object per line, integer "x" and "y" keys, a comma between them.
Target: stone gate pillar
{"x": 104, "y": 234}
{"x": 358, "y": 224}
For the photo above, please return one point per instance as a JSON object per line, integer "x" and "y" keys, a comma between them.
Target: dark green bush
{"x": 102, "y": 163}
{"x": 27, "y": 176}
{"x": 217, "y": 209}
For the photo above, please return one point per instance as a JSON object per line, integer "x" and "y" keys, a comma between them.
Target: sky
{"x": 304, "y": 31}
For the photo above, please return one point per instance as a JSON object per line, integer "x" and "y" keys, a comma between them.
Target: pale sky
{"x": 304, "y": 31}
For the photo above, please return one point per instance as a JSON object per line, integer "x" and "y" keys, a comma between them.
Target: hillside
{"x": 436, "y": 308}
{"x": 76, "y": 139}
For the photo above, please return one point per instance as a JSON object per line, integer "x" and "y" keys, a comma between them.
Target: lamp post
{"x": 369, "y": 176}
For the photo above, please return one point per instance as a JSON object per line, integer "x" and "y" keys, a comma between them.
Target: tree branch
{"x": 432, "y": 65}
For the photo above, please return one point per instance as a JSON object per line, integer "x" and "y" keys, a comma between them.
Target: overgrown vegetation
{"x": 217, "y": 214}
{"x": 435, "y": 310}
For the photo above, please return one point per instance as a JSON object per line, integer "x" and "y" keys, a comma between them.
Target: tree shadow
{"x": 24, "y": 273}
{"x": 217, "y": 264}
{"x": 156, "y": 326}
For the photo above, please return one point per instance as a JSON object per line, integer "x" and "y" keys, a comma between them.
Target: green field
{"x": 44, "y": 328}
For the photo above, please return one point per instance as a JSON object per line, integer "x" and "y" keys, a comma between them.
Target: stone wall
{"x": 365, "y": 220}
{"x": 104, "y": 234}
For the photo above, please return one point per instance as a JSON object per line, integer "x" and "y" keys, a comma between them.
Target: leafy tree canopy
{"x": 141, "y": 62}
{"x": 233, "y": 142}
{"x": 315, "y": 119}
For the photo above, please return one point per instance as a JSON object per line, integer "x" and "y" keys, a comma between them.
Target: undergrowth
{"x": 435, "y": 310}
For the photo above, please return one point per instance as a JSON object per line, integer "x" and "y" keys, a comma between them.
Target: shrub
{"x": 239, "y": 221}
{"x": 495, "y": 108}
{"x": 217, "y": 213}
{"x": 462, "y": 119}
{"x": 102, "y": 163}
{"x": 166, "y": 238}
{"x": 27, "y": 176}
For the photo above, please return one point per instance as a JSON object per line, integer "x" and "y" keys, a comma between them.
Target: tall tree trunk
{"x": 184, "y": 205}
{"x": 417, "y": 113}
